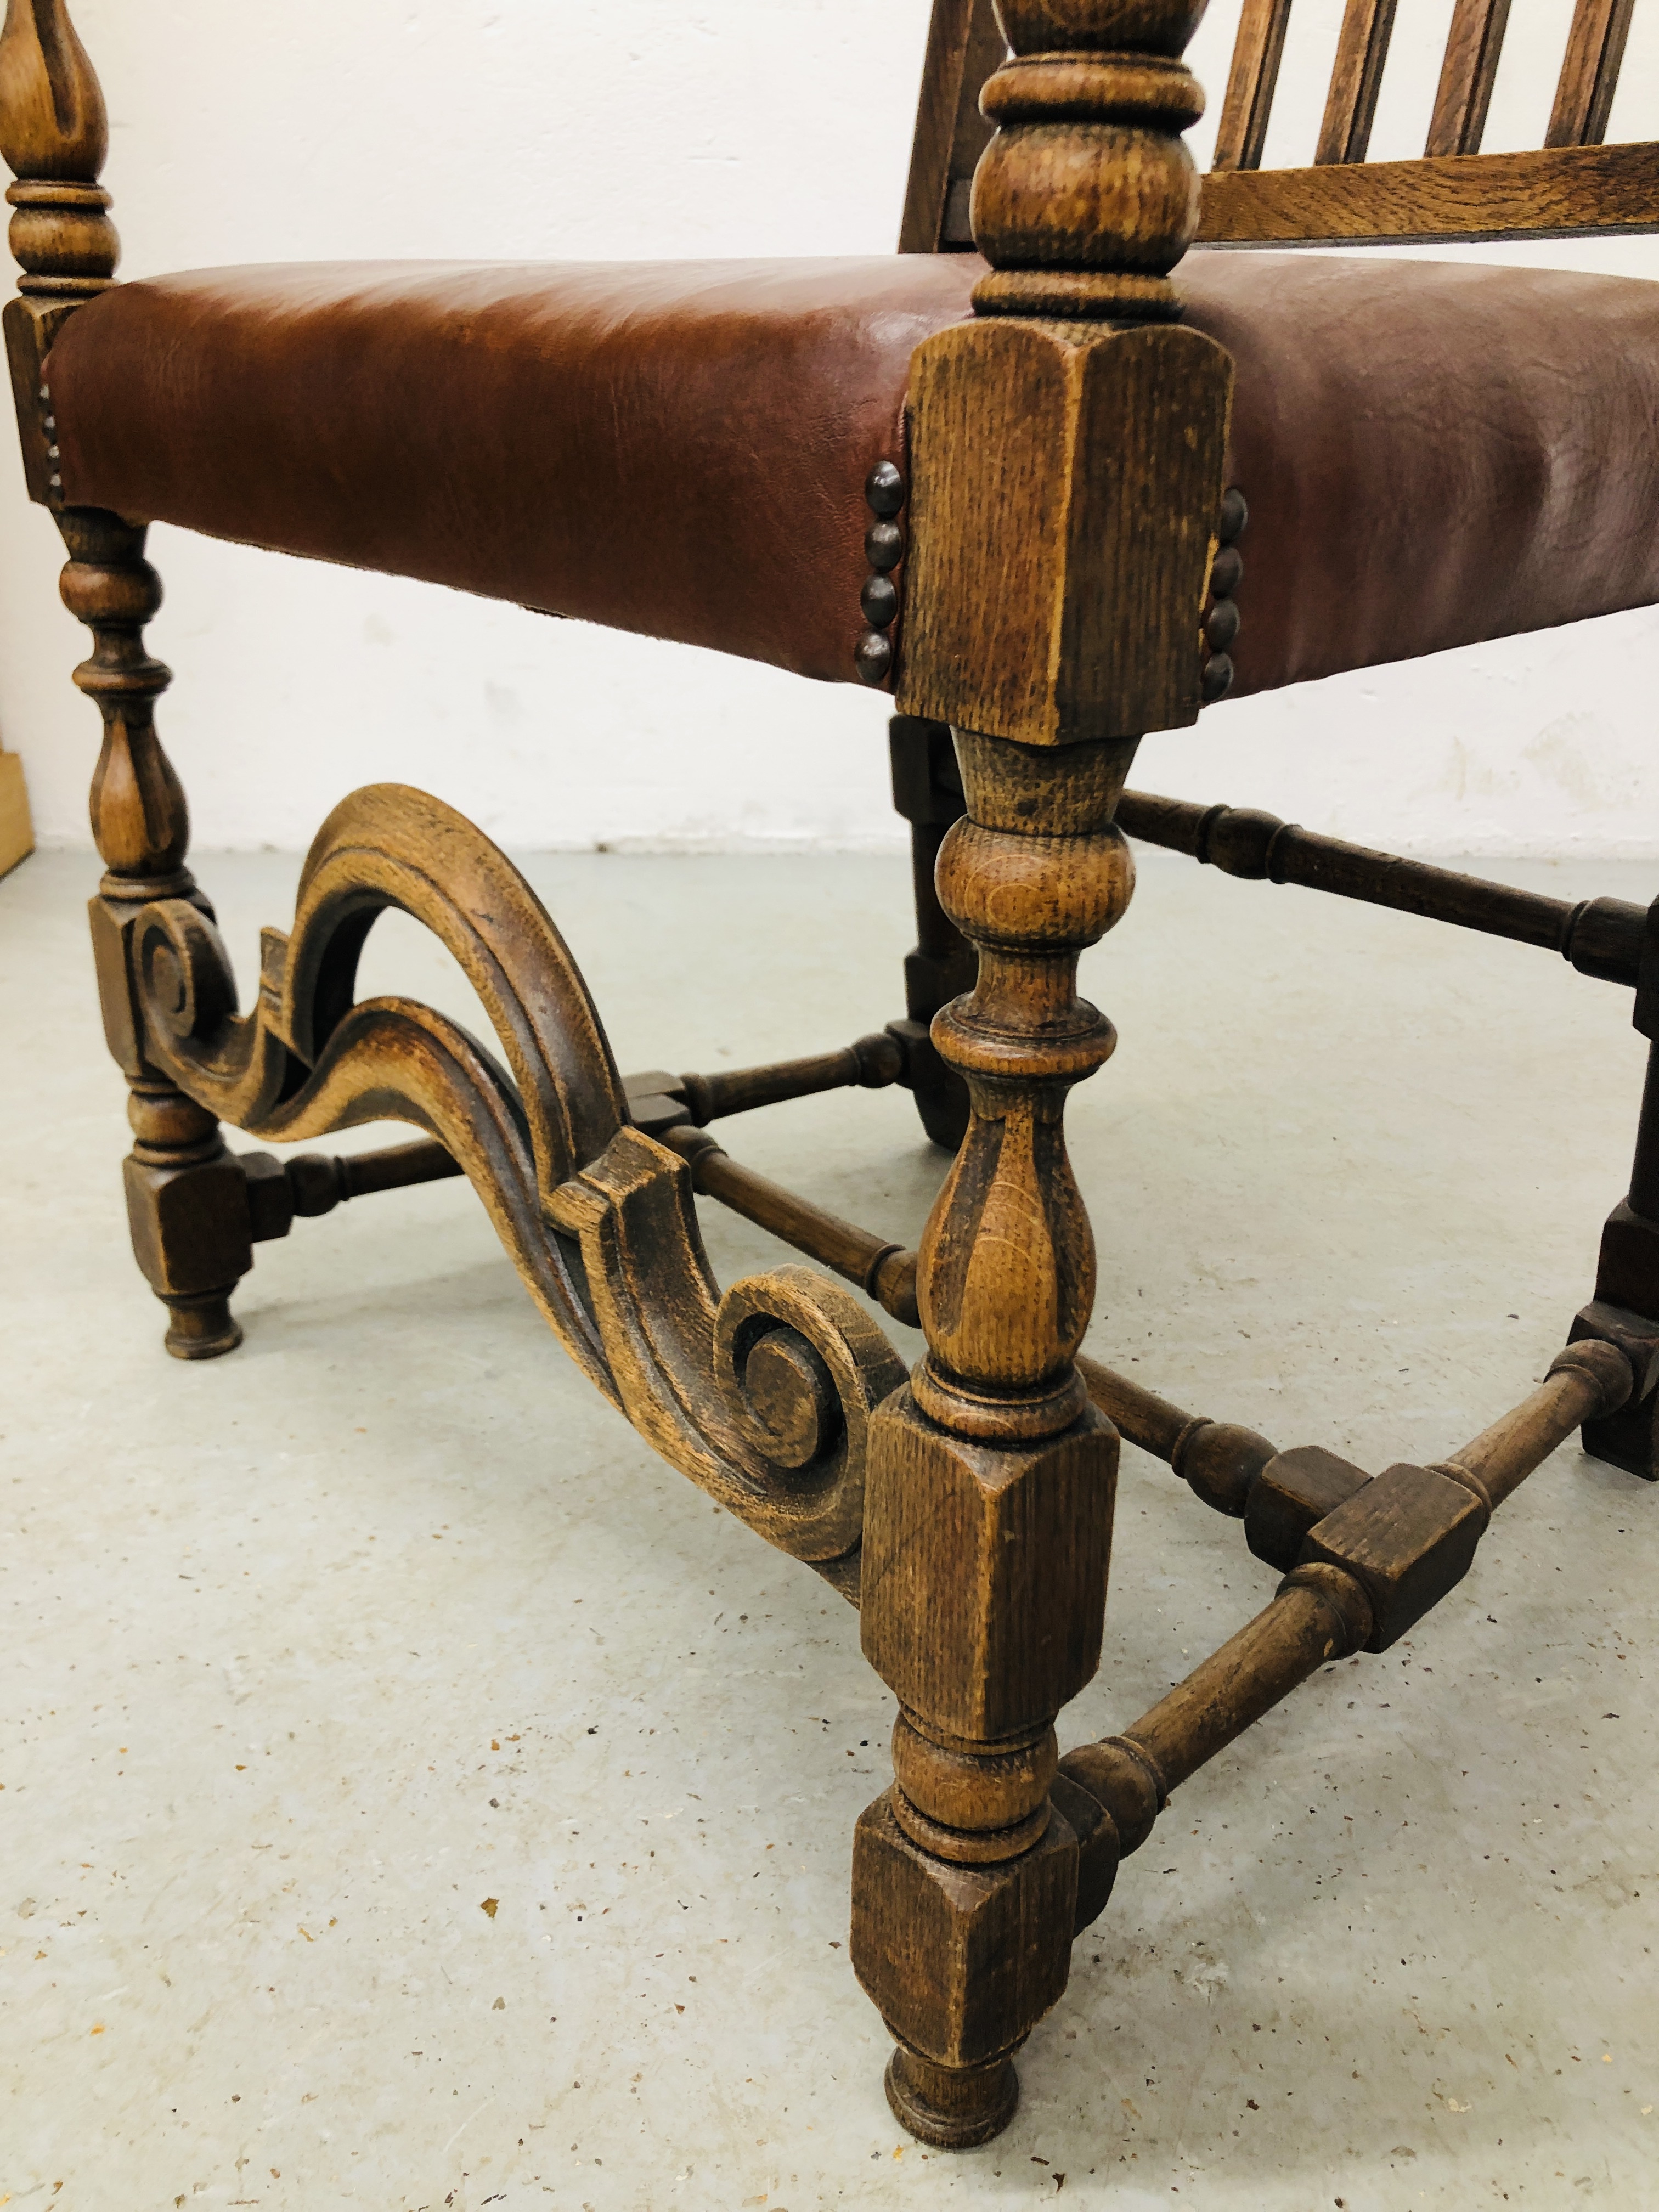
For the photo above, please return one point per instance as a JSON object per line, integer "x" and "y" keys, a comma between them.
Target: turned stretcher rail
{"x": 1222, "y": 1462}
{"x": 1599, "y": 937}
{"x": 885, "y": 1270}
{"x": 280, "y": 1192}
{"x": 1370, "y": 1570}
{"x": 871, "y": 1063}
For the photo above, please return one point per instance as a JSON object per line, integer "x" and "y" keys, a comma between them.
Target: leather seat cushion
{"x": 1433, "y": 454}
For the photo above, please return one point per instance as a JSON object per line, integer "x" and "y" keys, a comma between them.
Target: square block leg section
{"x": 1626, "y": 1312}
{"x": 192, "y": 1236}
{"x": 985, "y": 1569}
{"x": 1629, "y": 1439}
{"x": 962, "y": 1962}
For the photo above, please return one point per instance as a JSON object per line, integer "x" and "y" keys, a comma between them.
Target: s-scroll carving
{"x": 761, "y": 1396}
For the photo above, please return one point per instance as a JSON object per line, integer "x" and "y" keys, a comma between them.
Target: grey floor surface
{"x": 414, "y": 1794}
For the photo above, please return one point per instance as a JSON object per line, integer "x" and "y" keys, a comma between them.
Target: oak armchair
{"x": 1005, "y": 476}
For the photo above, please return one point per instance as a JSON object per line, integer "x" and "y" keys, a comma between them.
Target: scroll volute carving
{"x": 1087, "y": 196}
{"x": 763, "y": 1396}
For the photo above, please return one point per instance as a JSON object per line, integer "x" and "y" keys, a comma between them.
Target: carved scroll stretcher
{"x": 761, "y": 1396}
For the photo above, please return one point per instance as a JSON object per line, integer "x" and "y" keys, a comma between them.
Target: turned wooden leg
{"x": 991, "y": 1477}
{"x": 186, "y": 1197}
{"x": 927, "y": 793}
{"x": 1625, "y": 1308}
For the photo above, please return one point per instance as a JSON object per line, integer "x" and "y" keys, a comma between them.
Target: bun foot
{"x": 202, "y": 1327}
{"x": 951, "y": 2107}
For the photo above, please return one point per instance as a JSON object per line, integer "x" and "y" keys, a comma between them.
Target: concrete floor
{"x": 355, "y": 1682}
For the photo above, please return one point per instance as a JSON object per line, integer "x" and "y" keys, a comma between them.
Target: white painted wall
{"x": 251, "y": 129}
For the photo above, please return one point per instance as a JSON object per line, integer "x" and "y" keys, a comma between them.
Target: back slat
{"x": 1251, "y": 83}
{"x": 965, "y": 44}
{"x": 1575, "y": 186}
{"x": 1589, "y": 75}
{"x": 1472, "y": 47}
{"x": 1356, "y": 80}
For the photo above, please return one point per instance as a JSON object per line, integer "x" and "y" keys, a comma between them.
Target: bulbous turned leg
{"x": 991, "y": 1478}
{"x": 186, "y": 1197}
{"x": 927, "y": 793}
{"x": 1624, "y": 1310}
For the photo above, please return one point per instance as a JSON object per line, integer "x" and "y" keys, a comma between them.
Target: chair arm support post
{"x": 186, "y": 1197}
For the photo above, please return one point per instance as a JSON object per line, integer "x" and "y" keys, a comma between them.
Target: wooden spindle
{"x": 1063, "y": 511}
{"x": 1251, "y": 83}
{"x": 1472, "y": 47}
{"x": 1054, "y": 589}
{"x": 1114, "y": 1791}
{"x": 186, "y": 1197}
{"x": 1086, "y": 197}
{"x": 1589, "y": 1380}
{"x": 1219, "y": 1461}
{"x": 1601, "y": 937}
{"x": 1590, "y": 74}
{"x": 1344, "y": 131}
{"x": 885, "y": 1270}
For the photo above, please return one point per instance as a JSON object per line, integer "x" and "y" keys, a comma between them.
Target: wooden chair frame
{"x": 1069, "y": 558}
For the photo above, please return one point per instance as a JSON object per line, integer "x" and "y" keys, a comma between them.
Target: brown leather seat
{"x": 1433, "y": 454}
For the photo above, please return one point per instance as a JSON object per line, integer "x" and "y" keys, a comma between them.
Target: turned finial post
{"x": 54, "y": 134}
{"x": 186, "y": 1198}
{"x": 1087, "y": 196}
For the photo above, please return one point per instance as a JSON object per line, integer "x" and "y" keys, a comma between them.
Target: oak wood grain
{"x": 1589, "y": 72}
{"x": 1252, "y": 80}
{"x": 1064, "y": 487}
{"x": 1362, "y": 49}
{"x": 1474, "y": 44}
{"x": 1559, "y": 191}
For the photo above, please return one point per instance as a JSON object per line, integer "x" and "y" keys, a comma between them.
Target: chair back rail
{"x": 1573, "y": 184}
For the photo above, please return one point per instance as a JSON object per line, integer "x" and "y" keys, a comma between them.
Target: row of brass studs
{"x": 883, "y": 547}
{"x": 1221, "y": 623}
{"x": 49, "y": 423}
